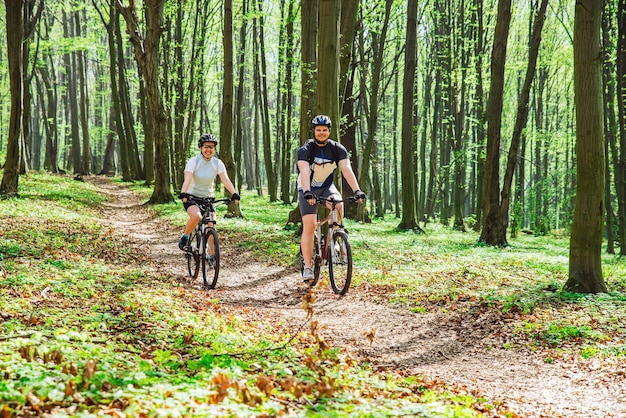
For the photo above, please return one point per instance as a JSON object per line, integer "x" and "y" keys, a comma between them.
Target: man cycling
{"x": 318, "y": 159}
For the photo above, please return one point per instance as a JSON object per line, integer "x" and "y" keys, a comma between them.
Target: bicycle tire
{"x": 339, "y": 259}
{"x": 192, "y": 254}
{"x": 210, "y": 258}
{"x": 317, "y": 261}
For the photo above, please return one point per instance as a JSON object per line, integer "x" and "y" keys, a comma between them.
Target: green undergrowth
{"x": 89, "y": 328}
{"x": 445, "y": 271}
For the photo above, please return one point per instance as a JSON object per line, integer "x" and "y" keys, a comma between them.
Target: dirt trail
{"x": 419, "y": 344}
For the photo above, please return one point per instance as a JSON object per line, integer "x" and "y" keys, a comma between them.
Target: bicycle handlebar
{"x": 205, "y": 200}
{"x": 320, "y": 199}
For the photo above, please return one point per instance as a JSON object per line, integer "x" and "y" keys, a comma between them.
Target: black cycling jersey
{"x": 323, "y": 161}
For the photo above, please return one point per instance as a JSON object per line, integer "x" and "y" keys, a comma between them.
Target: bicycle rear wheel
{"x": 210, "y": 258}
{"x": 339, "y": 259}
{"x": 192, "y": 254}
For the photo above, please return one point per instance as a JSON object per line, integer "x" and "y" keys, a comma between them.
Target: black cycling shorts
{"x": 305, "y": 208}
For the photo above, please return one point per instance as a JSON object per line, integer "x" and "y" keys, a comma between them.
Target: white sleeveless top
{"x": 204, "y": 173}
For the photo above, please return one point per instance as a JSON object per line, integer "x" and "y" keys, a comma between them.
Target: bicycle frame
{"x": 207, "y": 208}
{"x": 334, "y": 249}
{"x": 332, "y": 227}
{"x": 203, "y": 248}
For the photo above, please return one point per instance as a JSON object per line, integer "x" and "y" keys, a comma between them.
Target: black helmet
{"x": 206, "y": 138}
{"x": 321, "y": 120}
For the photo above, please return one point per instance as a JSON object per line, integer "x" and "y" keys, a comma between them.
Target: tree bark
{"x": 409, "y": 219}
{"x": 84, "y": 102}
{"x": 15, "y": 34}
{"x": 328, "y": 63}
{"x": 370, "y": 153}
{"x": 289, "y": 59}
{"x": 50, "y": 120}
{"x": 585, "y": 265}
{"x": 349, "y": 19}
{"x": 146, "y": 54}
{"x": 308, "y": 74}
{"x": 480, "y": 112}
{"x": 494, "y": 231}
{"x": 620, "y": 167}
{"x": 610, "y": 125}
{"x": 226, "y": 119}
{"x": 239, "y": 100}
{"x": 522, "y": 113}
{"x": 272, "y": 184}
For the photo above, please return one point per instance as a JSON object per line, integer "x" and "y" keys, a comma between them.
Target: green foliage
{"x": 450, "y": 272}
{"x": 91, "y": 328}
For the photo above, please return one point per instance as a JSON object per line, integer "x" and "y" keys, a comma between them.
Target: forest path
{"x": 430, "y": 345}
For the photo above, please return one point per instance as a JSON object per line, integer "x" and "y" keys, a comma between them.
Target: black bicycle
{"x": 203, "y": 247}
{"x": 334, "y": 250}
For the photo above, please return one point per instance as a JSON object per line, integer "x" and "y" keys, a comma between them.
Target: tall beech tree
{"x": 585, "y": 263}
{"x": 494, "y": 229}
{"x": 226, "y": 119}
{"x": 409, "y": 217}
{"x": 15, "y": 35}
{"x": 146, "y": 51}
{"x": 328, "y": 63}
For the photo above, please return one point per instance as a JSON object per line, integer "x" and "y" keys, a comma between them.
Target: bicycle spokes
{"x": 339, "y": 259}
{"x": 210, "y": 258}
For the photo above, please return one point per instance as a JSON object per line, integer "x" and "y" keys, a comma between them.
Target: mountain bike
{"x": 334, "y": 249}
{"x": 203, "y": 248}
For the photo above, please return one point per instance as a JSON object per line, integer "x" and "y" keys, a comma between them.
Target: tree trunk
{"x": 29, "y": 23}
{"x": 239, "y": 100}
{"x": 494, "y": 231}
{"x": 288, "y": 103}
{"x": 328, "y": 63}
{"x": 108, "y": 163}
{"x": 409, "y": 219}
{"x": 585, "y": 265}
{"x": 370, "y": 153}
{"x": 15, "y": 34}
{"x": 480, "y": 113}
{"x": 146, "y": 54}
{"x": 620, "y": 167}
{"x": 50, "y": 120}
{"x": 226, "y": 119}
{"x": 308, "y": 74}
{"x": 522, "y": 113}
{"x": 125, "y": 124}
{"x": 458, "y": 109}
{"x": 538, "y": 179}
{"x": 272, "y": 186}
{"x": 84, "y": 102}
{"x": 72, "y": 91}
{"x": 610, "y": 123}
{"x": 349, "y": 19}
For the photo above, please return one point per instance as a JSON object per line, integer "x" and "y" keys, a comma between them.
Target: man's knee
{"x": 308, "y": 223}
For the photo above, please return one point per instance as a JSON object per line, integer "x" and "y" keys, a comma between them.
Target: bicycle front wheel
{"x": 192, "y": 254}
{"x": 210, "y": 258}
{"x": 339, "y": 259}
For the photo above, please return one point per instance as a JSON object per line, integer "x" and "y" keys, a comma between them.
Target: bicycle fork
{"x": 208, "y": 223}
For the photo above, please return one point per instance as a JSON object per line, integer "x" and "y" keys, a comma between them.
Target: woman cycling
{"x": 200, "y": 174}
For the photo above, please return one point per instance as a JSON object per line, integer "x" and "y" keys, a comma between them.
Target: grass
{"x": 84, "y": 335}
{"x": 90, "y": 329}
{"x": 448, "y": 271}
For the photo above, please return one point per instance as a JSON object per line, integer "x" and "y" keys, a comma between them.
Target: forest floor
{"x": 435, "y": 346}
